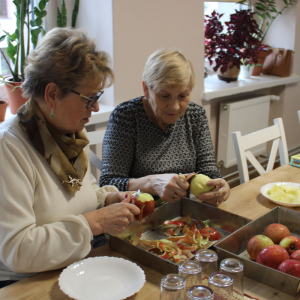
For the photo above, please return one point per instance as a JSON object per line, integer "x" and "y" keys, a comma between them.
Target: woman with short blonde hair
{"x": 150, "y": 140}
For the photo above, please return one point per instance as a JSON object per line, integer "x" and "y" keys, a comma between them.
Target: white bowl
{"x": 105, "y": 278}
{"x": 266, "y": 187}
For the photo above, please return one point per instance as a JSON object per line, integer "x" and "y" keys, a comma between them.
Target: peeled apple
{"x": 198, "y": 184}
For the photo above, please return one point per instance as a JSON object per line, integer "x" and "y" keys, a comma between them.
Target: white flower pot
{"x": 245, "y": 72}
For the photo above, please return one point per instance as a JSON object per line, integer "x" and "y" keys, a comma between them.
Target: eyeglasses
{"x": 91, "y": 100}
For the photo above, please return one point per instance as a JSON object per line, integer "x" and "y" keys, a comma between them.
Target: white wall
{"x": 141, "y": 27}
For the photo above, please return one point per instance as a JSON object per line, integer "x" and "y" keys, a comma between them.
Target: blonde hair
{"x": 168, "y": 67}
{"x": 66, "y": 57}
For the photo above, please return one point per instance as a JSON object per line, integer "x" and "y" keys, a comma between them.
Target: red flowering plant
{"x": 239, "y": 45}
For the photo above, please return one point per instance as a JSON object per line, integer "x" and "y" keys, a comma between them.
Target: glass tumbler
{"x": 209, "y": 261}
{"x": 222, "y": 285}
{"x": 191, "y": 271}
{"x": 235, "y": 269}
{"x": 172, "y": 287}
{"x": 200, "y": 292}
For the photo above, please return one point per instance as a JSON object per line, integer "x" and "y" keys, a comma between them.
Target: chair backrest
{"x": 242, "y": 144}
{"x": 95, "y": 138}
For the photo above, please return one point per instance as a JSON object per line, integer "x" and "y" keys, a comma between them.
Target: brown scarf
{"x": 64, "y": 154}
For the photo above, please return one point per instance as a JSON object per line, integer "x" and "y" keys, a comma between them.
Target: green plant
{"x": 61, "y": 20}
{"x": 5, "y": 82}
{"x": 236, "y": 45}
{"x": 267, "y": 12}
{"x": 17, "y": 48}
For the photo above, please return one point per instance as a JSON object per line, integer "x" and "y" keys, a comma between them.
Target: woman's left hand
{"x": 219, "y": 194}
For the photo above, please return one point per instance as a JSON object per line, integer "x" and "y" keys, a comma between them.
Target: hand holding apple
{"x": 276, "y": 232}
{"x": 198, "y": 184}
{"x": 256, "y": 244}
{"x": 290, "y": 243}
{"x": 145, "y": 203}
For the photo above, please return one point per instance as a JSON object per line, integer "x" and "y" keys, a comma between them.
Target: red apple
{"x": 295, "y": 255}
{"x": 256, "y": 244}
{"x": 291, "y": 267}
{"x": 272, "y": 256}
{"x": 276, "y": 232}
{"x": 290, "y": 243}
{"x": 145, "y": 203}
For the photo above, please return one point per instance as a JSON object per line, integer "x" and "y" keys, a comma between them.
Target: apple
{"x": 291, "y": 267}
{"x": 290, "y": 243}
{"x": 256, "y": 244}
{"x": 276, "y": 232}
{"x": 145, "y": 203}
{"x": 272, "y": 256}
{"x": 198, "y": 184}
{"x": 295, "y": 255}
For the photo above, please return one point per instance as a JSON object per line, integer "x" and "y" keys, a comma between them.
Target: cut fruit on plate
{"x": 282, "y": 193}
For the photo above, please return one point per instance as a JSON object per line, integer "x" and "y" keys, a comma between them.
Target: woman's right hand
{"x": 170, "y": 187}
{"x": 112, "y": 219}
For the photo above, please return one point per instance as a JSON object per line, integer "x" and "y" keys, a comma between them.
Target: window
{"x": 7, "y": 23}
{"x": 226, "y": 8}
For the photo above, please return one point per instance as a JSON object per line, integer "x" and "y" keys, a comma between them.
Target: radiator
{"x": 245, "y": 116}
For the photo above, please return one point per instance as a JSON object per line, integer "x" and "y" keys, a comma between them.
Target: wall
{"x": 131, "y": 30}
{"x": 141, "y": 27}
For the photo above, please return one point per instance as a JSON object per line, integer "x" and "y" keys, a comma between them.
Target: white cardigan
{"x": 41, "y": 222}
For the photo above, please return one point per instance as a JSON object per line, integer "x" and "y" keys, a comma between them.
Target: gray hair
{"x": 168, "y": 67}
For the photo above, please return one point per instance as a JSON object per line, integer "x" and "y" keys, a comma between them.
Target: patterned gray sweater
{"x": 134, "y": 147}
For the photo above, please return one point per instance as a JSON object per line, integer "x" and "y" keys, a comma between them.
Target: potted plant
{"x": 266, "y": 12}
{"x": 240, "y": 42}
{"x": 18, "y": 49}
{"x": 4, "y": 103}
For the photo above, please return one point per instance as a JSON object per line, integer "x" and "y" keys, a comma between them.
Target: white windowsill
{"x": 101, "y": 116}
{"x": 216, "y": 88}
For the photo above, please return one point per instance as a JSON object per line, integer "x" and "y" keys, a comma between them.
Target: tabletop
{"x": 244, "y": 200}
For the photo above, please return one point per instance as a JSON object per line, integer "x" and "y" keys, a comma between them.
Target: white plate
{"x": 105, "y": 278}
{"x": 266, "y": 187}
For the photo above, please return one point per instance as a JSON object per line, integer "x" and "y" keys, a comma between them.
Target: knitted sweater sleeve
{"x": 205, "y": 161}
{"x": 118, "y": 149}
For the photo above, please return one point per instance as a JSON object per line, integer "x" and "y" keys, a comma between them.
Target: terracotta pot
{"x": 260, "y": 61}
{"x": 231, "y": 74}
{"x": 15, "y": 98}
{"x": 3, "y": 106}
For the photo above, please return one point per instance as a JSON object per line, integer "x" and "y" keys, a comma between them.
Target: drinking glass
{"x": 172, "y": 287}
{"x": 200, "y": 292}
{"x": 209, "y": 261}
{"x": 235, "y": 269}
{"x": 221, "y": 283}
{"x": 191, "y": 271}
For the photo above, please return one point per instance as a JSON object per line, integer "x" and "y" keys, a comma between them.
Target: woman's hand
{"x": 169, "y": 187}
{"x": 219, "y": 194}
{"x": 113, "y": 218}
{"x": 116, "y": 197}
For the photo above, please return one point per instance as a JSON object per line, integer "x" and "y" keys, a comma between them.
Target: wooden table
{"x": 244, "y": 200}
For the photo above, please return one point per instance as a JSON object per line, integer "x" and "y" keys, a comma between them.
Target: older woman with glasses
{"x": 51, "y": 205}
{"x": 151, "y": 139}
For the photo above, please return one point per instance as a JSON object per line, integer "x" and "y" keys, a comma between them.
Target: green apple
{"x": 198, "y": 184}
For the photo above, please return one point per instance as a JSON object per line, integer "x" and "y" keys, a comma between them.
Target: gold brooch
{"x": 73, "y": 181}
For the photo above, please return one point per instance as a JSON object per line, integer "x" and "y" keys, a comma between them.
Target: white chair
{"x": 96, "y": 138}
{"x": 242, "y": 144}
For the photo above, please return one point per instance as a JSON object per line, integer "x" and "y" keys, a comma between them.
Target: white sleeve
{"x": 24, "y": 246}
